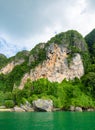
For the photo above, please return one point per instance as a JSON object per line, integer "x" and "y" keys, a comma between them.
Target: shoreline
{"x": 19, "y": 109}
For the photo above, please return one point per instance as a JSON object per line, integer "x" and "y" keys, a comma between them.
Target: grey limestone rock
{"x": 90, "y": 109}
{"x": 78, "y": 109}
{"x": 43, "y": 105}
{"x": 18, "y": 109}
{"x": 72, "y": 108}
{"x": 27, "y": 106}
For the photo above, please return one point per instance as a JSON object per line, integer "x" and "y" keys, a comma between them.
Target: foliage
{"x": 8, "y": 96}
{"x": 91, "y": 68}
{"x": 90, "y": 39}
{"x": 39, "y": 54}
{"x": 71, "y": 39}
{"x": 3, "y": 60}
{"x": 2, "y": 82}
{"x": 89, "y": 82}
{"x": 1, "y": 98}
{"x": 9, "y": 103}
{"x": 83, "y": 100}
{"x": 20, "y": 95}
{"x": 23, "y": 54}
{"x": 86, "y": 60}
{"x": 14, "y": 77}
{"x": 63, "y": 95}
{"x": 32, "y": 98}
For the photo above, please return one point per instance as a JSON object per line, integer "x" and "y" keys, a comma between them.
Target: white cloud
{"x": 33, "y": 21}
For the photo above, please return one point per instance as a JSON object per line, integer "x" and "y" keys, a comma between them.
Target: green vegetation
{"x": 8, "y": 81}
{"x": 9, "y": 103}
{"x": 89, "y": 82}
{"x": 71, "y": 39}
{"x": 22, "y": 55}
{"x": 3, "y": 60}
{"x": 38, "y": 55}
{"x": 1, "y": 98}
{"x": 90, "y": 40}
{"x": 63, "y": 94}
{"x": 6, "y": 99}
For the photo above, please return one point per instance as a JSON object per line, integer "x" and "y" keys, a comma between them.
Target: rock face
{"x": 56, "y": 66}
{"x": 9, "y": 67}
{"x": 43, "y": 105}
{"x": 18, "y": 59}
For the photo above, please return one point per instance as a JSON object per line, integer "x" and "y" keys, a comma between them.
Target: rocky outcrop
{"x": 56, "y": 66}
{"x": 78, "y": 109}
{"x": 23, "y": 108}
{"x": 18, "y": 109}
{"x": 27, "y": 107}
{"x": 2, "y": 107}
{"x": 73, "y": 108}
{"x": 9, "y": 67}
{"x": 90, "y": 109}
{"x": 18, "y": 59}
{"x": 43, "y": 105}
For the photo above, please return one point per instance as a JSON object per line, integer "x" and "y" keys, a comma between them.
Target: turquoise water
{"x": 47, "y": 121}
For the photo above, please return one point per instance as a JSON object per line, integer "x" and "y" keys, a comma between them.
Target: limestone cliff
{"x": 62, "y": 57}
{"x": 56, "y": 66}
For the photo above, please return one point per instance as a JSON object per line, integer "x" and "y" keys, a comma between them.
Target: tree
{"x": 89, "y": 82}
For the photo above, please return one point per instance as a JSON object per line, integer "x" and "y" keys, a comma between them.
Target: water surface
{"x": 47, "y": 121}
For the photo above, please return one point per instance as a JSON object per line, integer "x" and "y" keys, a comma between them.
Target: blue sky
{"x": 24, "y": 23}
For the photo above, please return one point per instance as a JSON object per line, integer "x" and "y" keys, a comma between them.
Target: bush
{"x": 83, "y": 101}
{"x": 9, "y": 103}
{"x": 89, "y": 82}
{"x": 62, "y": 94}
{"x": 32, "y": 98}
{"x": 1, "y": 98}
{"x": 8, "y": 96}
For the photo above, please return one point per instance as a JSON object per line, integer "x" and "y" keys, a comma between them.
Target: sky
{"x": 25, "y": 23}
